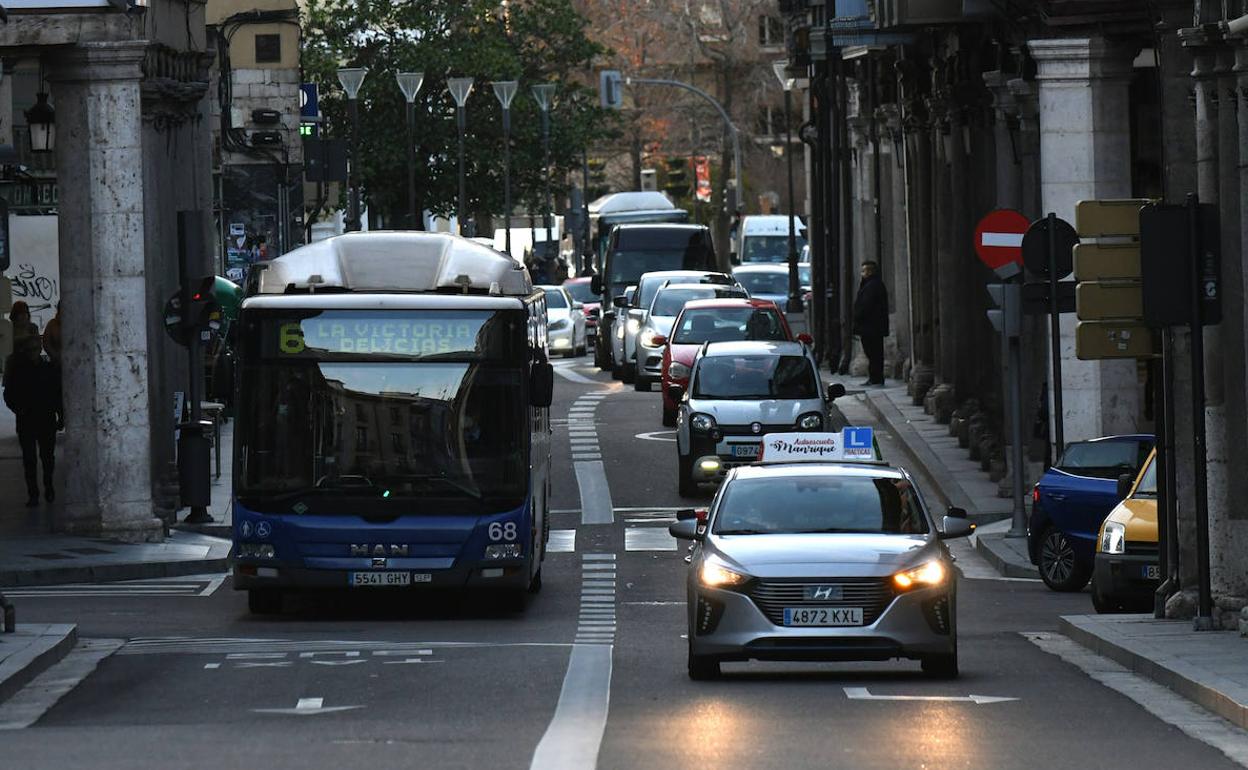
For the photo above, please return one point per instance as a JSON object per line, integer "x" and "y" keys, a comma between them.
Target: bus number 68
{"x": 500, "y": 531}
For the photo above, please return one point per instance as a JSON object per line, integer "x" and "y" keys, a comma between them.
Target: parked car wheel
{"x": 1060, "y": 568}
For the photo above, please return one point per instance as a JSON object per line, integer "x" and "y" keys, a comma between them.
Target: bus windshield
{"x": 373, "y": 407}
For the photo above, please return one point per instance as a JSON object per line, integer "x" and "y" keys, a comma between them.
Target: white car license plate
{"x": 823, "y": 616}
{"x": 745, "y": 450}
{"x": 357, "y": 579}
{"x": 1151, "y": 572}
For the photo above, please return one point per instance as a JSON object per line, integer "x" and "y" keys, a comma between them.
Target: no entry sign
{"x": 999, "y": 238}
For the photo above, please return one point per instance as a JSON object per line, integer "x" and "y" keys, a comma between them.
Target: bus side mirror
{"x": 595, "y": 284}
{"x": 542, "y": 384}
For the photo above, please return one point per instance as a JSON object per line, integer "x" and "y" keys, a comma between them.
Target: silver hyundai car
{"x": 820, "y": 561}
{"x": 738, "y": 393}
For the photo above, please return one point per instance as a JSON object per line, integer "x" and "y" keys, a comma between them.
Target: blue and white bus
{"x": 393, "y": 420}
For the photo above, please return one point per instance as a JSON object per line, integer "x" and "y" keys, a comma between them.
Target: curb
{"x": 884, "y": 411}
{"x": 983, "y": 545}
{"x": 18, "y": 670}
{"x": 224, "y": 531}
{"x": 104, "y": 573}
{"x": 1165, "y": 670}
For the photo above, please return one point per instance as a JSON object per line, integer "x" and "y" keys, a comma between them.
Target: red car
{"x": 581, "y": 292}
{"x": 715, "y": 320}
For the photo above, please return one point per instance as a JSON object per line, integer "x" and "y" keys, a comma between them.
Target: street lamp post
{"x": 505, "y": 91}
{"x": 786, "y": 82}
{"x": 460, "y": 88}
{"x": 351, "y": 78}
{"x": 544, "y": 94}
{"x": 409, "y": 84}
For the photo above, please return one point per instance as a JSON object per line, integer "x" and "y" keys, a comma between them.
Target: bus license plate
{"x": 1150, "y": 572}
{"x": 745, "y": 450}
{"x": 823, "y": 616}
{"x": 358, "y": 579}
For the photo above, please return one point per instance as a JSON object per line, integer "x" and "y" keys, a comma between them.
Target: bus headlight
{"x": 1113, "y": 538}
{"x": 504, "y": 551}
{"x": 256, "y": 551}
{"x": 930, "y": 574}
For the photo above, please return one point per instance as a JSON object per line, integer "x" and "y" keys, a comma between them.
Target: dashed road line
{"x": 648, "y": 539}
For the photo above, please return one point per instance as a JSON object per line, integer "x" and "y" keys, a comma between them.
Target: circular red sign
{"x": 999, "y": 237}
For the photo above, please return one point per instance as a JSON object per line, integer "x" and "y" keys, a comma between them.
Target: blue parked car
{"x": 1072, "y": 499}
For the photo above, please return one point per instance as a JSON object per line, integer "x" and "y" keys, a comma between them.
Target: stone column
{"x": 896, "y": 245}
{"x": 1004, "y": 129}
{"x": 1085, "y": 147}
{"x": 105, "y": 466}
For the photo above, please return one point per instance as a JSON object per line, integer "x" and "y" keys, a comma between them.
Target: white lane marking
{"x": 190, "y": 585}
{"x": 184, "y": 646}
{"x": 597, "y": 557}
{"x": 657, "y": 435}
{"x": 1158, "y": 700}
{"x": 562, "y": 541}
{"x": 30, "y": 703}
{"x": 861, "y": 693}
{"x": 307, "y": 707}
{"x": 565, "y": 371}
{"x": 575, "y": 732}
{"x": 648, "y": 539}
{"x": 588, "y": 583}
{"x": 574, "y": 440}
{"x": 591, "y": 457}
{"x": 211, "y": 666}
{"x": 591, "y": 482}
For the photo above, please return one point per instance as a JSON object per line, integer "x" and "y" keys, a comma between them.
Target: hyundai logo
{"x": 364, "y": 549}
{"x": 823, "y": 593}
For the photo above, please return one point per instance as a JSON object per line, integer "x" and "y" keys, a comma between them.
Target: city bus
{"x": 393, "y": 425}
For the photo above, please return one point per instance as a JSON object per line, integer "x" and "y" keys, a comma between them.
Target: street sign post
{"x": 1006, "y": 318}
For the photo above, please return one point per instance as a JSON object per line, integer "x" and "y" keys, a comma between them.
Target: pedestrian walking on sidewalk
{"x": 871, "y": 320}
{"x": 23, "y": 327}
{"x": 32, "y": 389}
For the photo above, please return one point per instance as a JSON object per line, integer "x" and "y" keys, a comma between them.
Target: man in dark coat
{"x": 32, "y": 389}
{"x": 871, "y": 320}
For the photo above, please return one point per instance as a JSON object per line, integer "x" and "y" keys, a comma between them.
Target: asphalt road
{"x": 386, "y": 679}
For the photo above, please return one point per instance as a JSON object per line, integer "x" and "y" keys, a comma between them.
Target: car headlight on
{"x": 1113, "y": 538}
{"x": 703, "y": 423}
{"x": 619, "y": 331}
{"x": 715, "y": 575}
{"x": 812, "y": 421}
{"x": 930, "y": 574}
{"x": 648, "y": 336}
{"x": 633, "y": 325}
{"x": 562, "y": 323}
{"x": 677, "y": 371}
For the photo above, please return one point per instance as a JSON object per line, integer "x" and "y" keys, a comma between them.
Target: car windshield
{"x": 1147, "y": 486}
{"x": 1104, "y": 459}
{"x": 769, "y": 248}
{"x": 819, "y": 504}
{"x": 555, "y": 298}
{"x": 581, "y": 292}
{"x": 726, "y": 324}
{"x": 764, "y": 283}
{"x": 669, "y": 302}
{"x": 755, "y": 377}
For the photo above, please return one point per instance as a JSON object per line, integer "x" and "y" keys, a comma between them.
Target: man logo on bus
{"x": 378, "y": 550}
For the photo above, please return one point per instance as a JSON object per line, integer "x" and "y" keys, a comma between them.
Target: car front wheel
{"x": 1060, "y": 568}
{"x": 701, "y": 667}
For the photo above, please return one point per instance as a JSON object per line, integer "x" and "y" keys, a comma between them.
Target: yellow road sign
{"x": 1106, "y": 301}
{"x": 1109, "y": 218}
{"x": 1097, "y": 262}
{"x": 1095, "y": 340}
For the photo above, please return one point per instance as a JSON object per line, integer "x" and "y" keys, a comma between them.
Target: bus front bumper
{"x": 502, "y": 574}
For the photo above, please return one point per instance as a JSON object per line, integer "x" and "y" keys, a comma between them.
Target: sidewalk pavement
{"x": 31, "y": 650}
{"x": 1209, "y": 668}
{"x": 53, "y": 559}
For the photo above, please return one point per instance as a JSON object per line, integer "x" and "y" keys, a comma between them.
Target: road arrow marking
{"x": 306, "y": 707}
{"x": 861, "y": 693}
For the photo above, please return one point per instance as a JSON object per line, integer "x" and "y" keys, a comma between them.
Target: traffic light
{"x": 676, "y": 178}
{"x": 1005, "y": 314}
{"x": 598, "y": 186}
{"x": 204, "y": 312}
{"x": 611, "y": 89}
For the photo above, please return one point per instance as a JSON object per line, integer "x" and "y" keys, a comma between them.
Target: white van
{"x": 765, "y": 238}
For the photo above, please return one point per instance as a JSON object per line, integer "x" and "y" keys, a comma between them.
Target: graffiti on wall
{"x": 38, "y": 289}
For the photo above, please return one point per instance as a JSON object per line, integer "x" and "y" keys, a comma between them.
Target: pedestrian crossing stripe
{"x": 190, "y": 586}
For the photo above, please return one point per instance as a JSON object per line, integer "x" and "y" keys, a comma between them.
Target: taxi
{"x": 819, "y": 552}
{"x": 1126, "y": 570}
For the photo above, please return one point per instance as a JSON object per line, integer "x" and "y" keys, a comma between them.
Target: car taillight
{"x": 1035, "y": 494}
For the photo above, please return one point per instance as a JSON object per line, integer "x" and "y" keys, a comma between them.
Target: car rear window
{"x": 1104, "y": 459}
{"x": 554, "y": 298}
{"x": 819, "y": 504}
{"x": 726, "y": 324}
{"x": 669, "y": 302}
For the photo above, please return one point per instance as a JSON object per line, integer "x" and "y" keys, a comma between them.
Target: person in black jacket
{"x": 32, "y": 389}
{"x": 871, "y": 320}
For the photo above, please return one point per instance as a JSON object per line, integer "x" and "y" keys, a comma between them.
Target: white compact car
{"x": 565, "y": 323}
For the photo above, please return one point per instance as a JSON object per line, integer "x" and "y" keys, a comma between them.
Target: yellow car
{"x": 1126, "y": 571}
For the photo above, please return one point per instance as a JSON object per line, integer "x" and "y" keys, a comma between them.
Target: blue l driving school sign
{"x": 309, "y": 102}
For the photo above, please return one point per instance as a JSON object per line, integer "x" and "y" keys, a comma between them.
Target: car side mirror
{"x": 542, "y": 384}
{"x": 685, "y": 514}
{"x": 805, "y": 339}
{"x": 620, "y": 301}
{"x": 835, "y": 391}
{"x": 659, "y": 340}
{"x": 685, "y": 530}
{"x": 578, "y": 305}
{"x": 955, "y": 512}
{"x": 595, "y": 284}
{"x": 1125, "y": 482}
{"x": 952, "y": 527}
